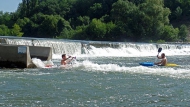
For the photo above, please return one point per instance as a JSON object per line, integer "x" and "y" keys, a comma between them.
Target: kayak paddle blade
{"x": 159, "y": 50}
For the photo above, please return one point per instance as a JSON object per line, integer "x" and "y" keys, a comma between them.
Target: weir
{"x": 137, "y": 45}
{"x": 134, "y": 49}
{"x": 58, "y": 46}
{"x": 98, "y": 48}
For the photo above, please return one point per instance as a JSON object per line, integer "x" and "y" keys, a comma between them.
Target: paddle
{"x": 72, "y": 57}
{"x": 159, "y": 50}
{"x": 72, "y": 60}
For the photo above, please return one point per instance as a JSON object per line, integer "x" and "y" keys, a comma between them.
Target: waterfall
{"x": 100, "y": 48}
{"x": 58, "y": 46}
{"x": 134, "y": 49}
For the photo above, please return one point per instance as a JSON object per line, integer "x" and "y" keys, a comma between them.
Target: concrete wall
{"x": 2, "y": 41}
{"x": 43, "y": 53}
{"x": 12, "y": 56}
{"x": 19, "y": 56}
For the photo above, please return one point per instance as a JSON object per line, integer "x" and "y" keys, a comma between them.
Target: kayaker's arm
{"x": 159, "y": 57}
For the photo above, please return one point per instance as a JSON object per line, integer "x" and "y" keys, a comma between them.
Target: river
{"x": 104, "y": 74}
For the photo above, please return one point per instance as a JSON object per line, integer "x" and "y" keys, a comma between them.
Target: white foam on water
{"x": 124, "y": 50}
{"x": 135, "y": 52}
{"x": 42, "y": 64}
{"x": 38, "y": 63}
{"x": 114, "y": 52}
{"x": 174, "y": 72}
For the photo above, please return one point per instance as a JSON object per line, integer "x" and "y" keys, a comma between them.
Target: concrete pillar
{"x": 19, "y": 56}
{"x": 14, "y": 56}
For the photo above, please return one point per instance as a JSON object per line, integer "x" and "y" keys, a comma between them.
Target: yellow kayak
{"x": 171, "y": 65}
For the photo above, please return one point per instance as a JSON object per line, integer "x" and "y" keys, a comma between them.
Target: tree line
{"x": 99, "y": 20}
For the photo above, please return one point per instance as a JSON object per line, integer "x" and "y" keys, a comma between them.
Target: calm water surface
{"x": 98, "y": 82}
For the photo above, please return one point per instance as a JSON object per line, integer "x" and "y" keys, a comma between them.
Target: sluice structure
{"x": 20, "y": 56}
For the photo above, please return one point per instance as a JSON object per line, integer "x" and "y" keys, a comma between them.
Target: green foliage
{"x": 53, "y": 25}
{"x": 113, "y": 20}
{"x": 23, "y": 22}
{"x": 179, "y": 9}
{"x": 160, "y": 41}
{"x": 66, "y": 34}
{"x": 170, "y": 33}
{"x": 16, "y": 31}
{"x": 96, "y": 29}
{"x": 6, "y": 19}
{"x": 123, "y": 11}
{"x": 4, "y": 30}
{"x": 178, "y": 12}
{"x": 183, "y": 32}
{"x": 126, "y": 17}
{"x": 79, "y": 33}
{"x": 143, "y": 22}
{"x": 85, "y": 20}
{"x": 154, "y": 16}
{"x": 96, "y": 11}
{"x": 110, "y": 32}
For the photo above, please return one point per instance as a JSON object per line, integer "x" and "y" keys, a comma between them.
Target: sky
{"x": 9, "y": 5}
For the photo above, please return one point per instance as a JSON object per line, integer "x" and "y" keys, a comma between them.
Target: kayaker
{"x": 65, "y": 60}
{"x": 163, "y": 61}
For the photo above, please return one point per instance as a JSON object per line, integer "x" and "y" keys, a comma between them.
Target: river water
{"x": 101, "y": 76}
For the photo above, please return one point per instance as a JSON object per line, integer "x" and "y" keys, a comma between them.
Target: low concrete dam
{"x": 45, "y": 49}
{"x": 19, "y": 56}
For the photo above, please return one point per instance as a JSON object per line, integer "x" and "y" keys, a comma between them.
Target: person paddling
{"x": 163, "y": 61}
{"x": 65, "y": 60}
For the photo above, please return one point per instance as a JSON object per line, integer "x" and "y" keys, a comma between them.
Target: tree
{"x": 5, "y": 18}
{"x": 154, "y": 16}
{"x": 4, "y": 30}
{"x": 124, "y": 16}
{"x": 80, "y": 33}
{"x": 183, "y": 32}
{"x": 137, "y": 2}
{"x": 52, "y": 26}
{"x": 169, "y": 33}
{"x": 96, "y": 30}
{"x": 48, "y": 27}
{"x": 110, "y": 32}
{"x": 23, "y": 22}
{"x": 16, "y": 31}
{"x": 178, "y": 12}
{"x": 64, "y": 29}
{"x": 85, "y": 20}
{"x": 185, "y": 5}
{"x": 96, "y": 11}
{"x": 28, "y": 27}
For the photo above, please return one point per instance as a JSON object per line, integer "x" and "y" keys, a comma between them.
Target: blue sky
{"x": 9, "y": 5}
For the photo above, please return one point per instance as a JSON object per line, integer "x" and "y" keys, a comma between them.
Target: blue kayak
{"x": 152, "y": 64}
{"x": 147, "y": 63}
